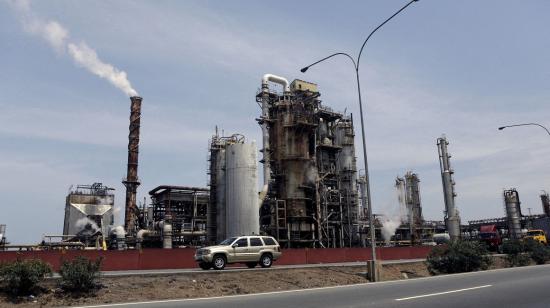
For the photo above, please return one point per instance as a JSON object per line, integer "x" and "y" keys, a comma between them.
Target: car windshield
{"x": 228, "y": 241}
{"x": 534, "y": 233}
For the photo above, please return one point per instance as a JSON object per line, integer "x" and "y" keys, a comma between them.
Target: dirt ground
{"x": 211, "y": 283}
{"x": 215, "y": 283}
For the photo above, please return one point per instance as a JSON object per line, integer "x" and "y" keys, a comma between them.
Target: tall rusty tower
{"x": 132, "y": 181}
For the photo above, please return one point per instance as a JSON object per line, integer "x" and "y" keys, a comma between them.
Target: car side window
{"x": 256, "y": 241}
{"x": 269, "y": 241}
{"x": 242, "y": 242}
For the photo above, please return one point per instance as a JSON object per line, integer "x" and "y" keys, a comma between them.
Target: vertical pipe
{"x": 265, "y": 134}
{"x": 132, "y": 181}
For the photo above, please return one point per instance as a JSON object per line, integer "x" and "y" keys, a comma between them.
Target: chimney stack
{"x": 132, "y": 181}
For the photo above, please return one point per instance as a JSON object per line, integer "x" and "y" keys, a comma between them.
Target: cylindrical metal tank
{"x": 513, "y": 213}
{"x": 242, "y": 211}
{"x": 167, "y": 236}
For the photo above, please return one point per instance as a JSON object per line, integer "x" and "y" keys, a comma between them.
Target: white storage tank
{"x": 242, "y": 210}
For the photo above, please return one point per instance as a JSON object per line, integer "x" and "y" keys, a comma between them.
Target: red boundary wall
{"x": 148, "y": 259}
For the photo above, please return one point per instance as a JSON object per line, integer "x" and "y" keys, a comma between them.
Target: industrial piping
{"x": 141, "y": 234}
{"x": 132, "y": 181}
{"x": 276, "y": 79}
{"x": 265, "y": 117}
{"x": 161, "y": 226}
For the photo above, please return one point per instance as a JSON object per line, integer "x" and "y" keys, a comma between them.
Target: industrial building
{"x": 89, "y": 208}
{"x": 514, "y": 223}
{"x": 184, "y": 208}
{"x": 310, "y": 173}
{"x": 311, "y": 195}
{"x": 409, "y": 195}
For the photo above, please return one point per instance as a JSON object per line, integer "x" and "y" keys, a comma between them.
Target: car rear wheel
{"x": 205, "y": 265}
{"x": 266, "y": 260}
{"x": 251, "y": 264}
{"x": 218, "y": 262}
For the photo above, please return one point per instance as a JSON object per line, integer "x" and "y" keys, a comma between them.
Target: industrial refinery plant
{"x": 310, "y": 193}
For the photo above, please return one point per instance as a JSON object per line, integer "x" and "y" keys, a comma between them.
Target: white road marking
{"x": 370, "y": 284}
{"x": 441, "y": 293}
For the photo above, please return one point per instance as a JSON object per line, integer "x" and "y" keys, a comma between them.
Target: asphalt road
{"x": 514, "y": 287}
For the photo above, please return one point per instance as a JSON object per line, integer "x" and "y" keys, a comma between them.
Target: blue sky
{"x": 462, "y": 68}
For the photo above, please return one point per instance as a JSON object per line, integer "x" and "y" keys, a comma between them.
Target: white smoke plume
{"x": 58, "y": 38}
{"x": 83, "y": 222}
{"x": 395, "y": 216}
{"x": 119, "y": 230}
{"x": 389, "y": 225}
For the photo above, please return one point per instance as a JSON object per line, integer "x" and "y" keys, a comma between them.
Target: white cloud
{"x": 404, "y": 114}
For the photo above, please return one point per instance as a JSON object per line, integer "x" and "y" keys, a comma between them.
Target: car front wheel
{"x": 266, "y": 260}
{"x": 205, "y": 265}
{"x": 219, "y": 262}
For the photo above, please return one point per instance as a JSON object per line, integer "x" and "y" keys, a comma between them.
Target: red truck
{"x": 489, "y": 235}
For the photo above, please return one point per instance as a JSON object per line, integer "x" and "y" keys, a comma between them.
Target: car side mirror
{"x": 235, "y": 245}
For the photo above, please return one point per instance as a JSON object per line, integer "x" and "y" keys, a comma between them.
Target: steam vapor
{"x": 83, "y": 222}
{"x": 58, "y": 38}
{"x": 119, "y": 230}
{"x": 395, "y": 217}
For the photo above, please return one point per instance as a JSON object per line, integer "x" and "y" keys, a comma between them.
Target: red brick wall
{"x": 183, "y": 258}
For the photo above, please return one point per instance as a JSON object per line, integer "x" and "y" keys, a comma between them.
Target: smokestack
{"x": 132, "y": 180}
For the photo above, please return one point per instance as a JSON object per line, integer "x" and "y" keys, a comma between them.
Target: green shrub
{"x": 457, "y": 257}
{"x": 540, "y": 254}
{"x": 80, "y": 274}
{"x": 515, "y": 253}
{"x": 537, "y": 251}
{"x": 513, "y": 247}
{"x": 21, "y": 277}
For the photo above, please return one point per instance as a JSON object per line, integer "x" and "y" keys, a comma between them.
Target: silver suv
{"x": 250, "y": 250}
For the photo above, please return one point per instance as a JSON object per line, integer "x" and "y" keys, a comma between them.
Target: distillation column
{"x": 513, "y": 213}
{"x": 452, "y": 218}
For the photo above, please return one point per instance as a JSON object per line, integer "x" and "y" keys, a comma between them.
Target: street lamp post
{"x": 526, "y": 124}
{"x": 356, "y": 66}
